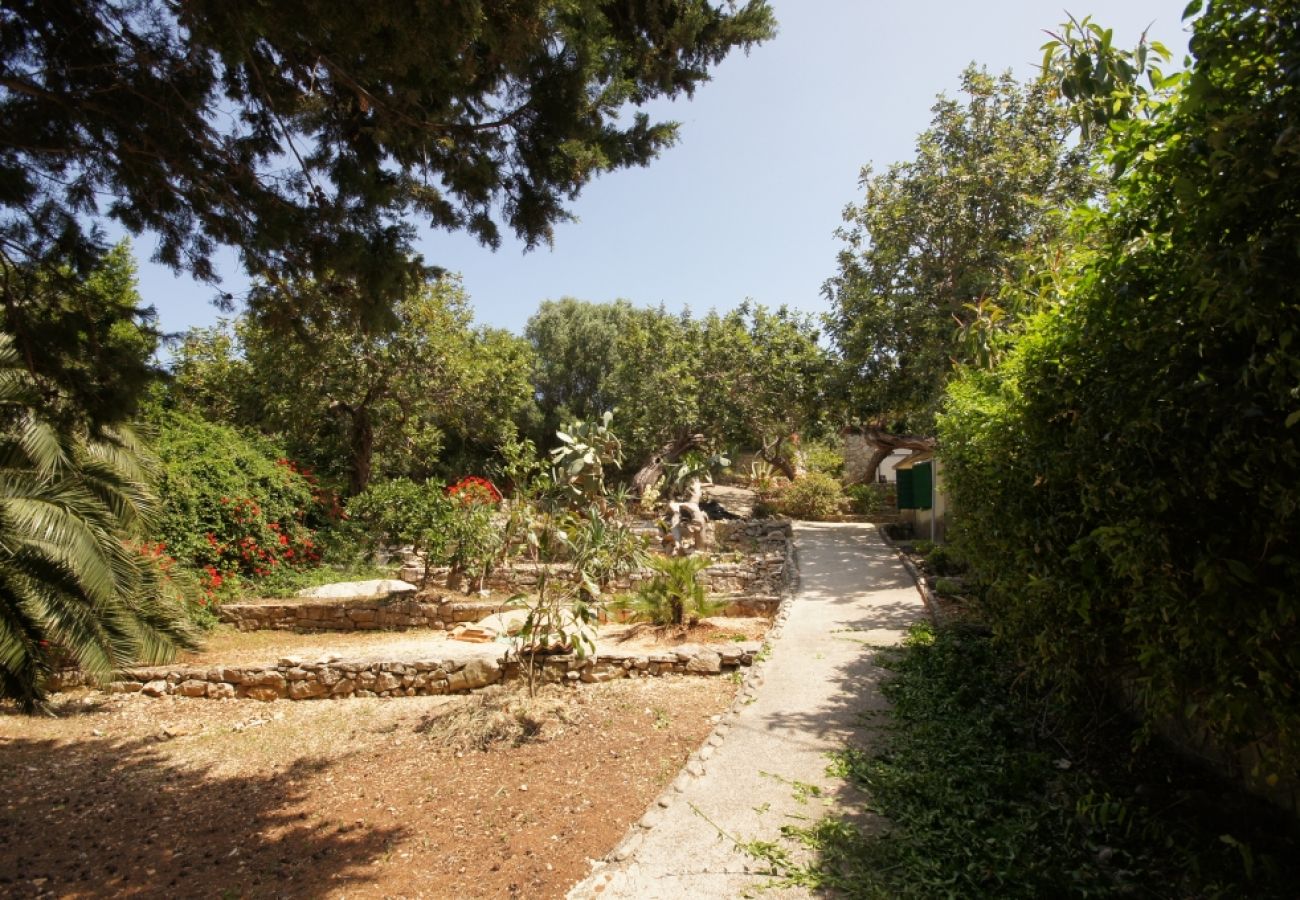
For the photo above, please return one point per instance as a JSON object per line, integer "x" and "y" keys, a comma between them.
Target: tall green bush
{"x": 1127, "y": 483}
{"x": 232, "y": 504}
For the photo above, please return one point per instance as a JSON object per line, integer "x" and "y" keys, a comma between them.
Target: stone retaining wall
{"x": 331, "y": 678}
{"x": 751, "y": 588}
{"x": 767, "y": 543}
{"x": 358, "y": 615}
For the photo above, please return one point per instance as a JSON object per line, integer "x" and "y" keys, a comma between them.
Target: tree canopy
{"x": 748, "y": 378}
{"x": 310, "y": 136}
{"x": 349, "y": 399}
{"x": 937, "y": 238}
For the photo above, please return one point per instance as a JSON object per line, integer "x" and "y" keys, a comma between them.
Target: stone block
{"x": 155, "y": 688}
{"x": 304, "y": 690}
{"x": 264, "y": 694}
{"x": 192, "y": 687}
{"x": 267, "y": 678}
{"x": 221, "y": 691}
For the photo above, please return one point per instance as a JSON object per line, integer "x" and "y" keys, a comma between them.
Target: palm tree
{"x": 75, "y": 584}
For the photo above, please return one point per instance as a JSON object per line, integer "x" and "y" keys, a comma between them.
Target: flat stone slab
{"x": 359, "y": 590}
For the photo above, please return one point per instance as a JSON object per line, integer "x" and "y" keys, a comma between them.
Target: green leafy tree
{"x": 86, "y": 337}
{"x": 575, "y": 345}
{"x": 1127, "y": 479}
{"x": 937, "y": 238}
{"x": 77, "y": 584}
{"x": 310, "y": 137}
{"x": 355, "y": 400}
{"x": 762, "y": 380}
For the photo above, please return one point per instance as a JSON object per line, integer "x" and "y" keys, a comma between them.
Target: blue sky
{"x": 746, "y": 204}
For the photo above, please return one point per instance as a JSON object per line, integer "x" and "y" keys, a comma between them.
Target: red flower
{"x": 473, "y": 489}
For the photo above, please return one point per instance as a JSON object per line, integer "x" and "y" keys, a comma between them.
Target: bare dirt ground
{"x": 228, "y": 647}
{"x": 125, "y": 796}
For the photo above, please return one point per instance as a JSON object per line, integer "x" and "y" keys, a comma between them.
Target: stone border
{"x": 695, "y": 765}
{"x": 334, "y": 678}
{"x": 922, "y": 583}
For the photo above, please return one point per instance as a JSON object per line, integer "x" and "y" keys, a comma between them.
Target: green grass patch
{"x": 987, "y": 792}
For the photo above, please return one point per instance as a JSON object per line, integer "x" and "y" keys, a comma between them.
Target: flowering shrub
{"x": 475, "y": 491}
{"x": 449, "y": 526}
{"x": 198, "y": 600}
{"x": 233, "y": 507}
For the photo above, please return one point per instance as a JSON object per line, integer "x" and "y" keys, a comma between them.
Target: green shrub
{"x": 824, "y": 458}
{"x": 232, "y": 505}
{"x": 941, "y": 559}
{"x": 990, "y": 794}
{"x": 813, "y": 497}
{"x": 869, "y": 499}
{"x": 456, "y": 531}
{"x": 605, "y": 546}
{"x": 1128, "y": 479}
{"x": 675, "y": 595}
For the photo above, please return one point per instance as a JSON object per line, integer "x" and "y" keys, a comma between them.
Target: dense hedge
{"x": 1127, "y": 482}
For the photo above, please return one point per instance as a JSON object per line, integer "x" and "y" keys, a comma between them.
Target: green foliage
{"x": 823, "y": 458}
{"x": 586, "y": 448}
{"x": 575, "y": 345}
{"x": 358, "y": 401}
{"x": 83, "y": 332}
{"x": 749, "y": 377}
{"x": 762, "y": 377}
{"x": 675, "y": 595}
{"x": 1099, "y": 82}
{"x": 938, "y": 239}
{"x": 814, "y": 497}
{"x": 232, "y": 504}
{"x": 456, "y": 531}
{"x": 979, "y": 799}
{"x": 78, "y": 585}
{"x": 337, "y": 126}
{"x": 605, "y": 546}
{"x": 401, "y": 512}
{"x": 868, "y": 499}
{"x": 1128, "y": 479}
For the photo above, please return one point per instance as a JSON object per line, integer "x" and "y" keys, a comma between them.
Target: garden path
{"x": 770, "y": 769}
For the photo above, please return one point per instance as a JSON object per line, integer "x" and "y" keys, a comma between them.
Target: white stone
{"x": 356, "y": 590}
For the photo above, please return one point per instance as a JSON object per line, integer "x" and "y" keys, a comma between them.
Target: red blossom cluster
{"x": 259, "y": 545}
{"x": 473, "y": 490}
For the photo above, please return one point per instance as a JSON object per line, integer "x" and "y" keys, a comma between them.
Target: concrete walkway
{"x": 806, "y": 701}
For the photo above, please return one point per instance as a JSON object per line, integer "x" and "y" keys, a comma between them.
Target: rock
{"x": 268, "y": 678}
{"x": 192, "y": 688}
{"x": 221, "y": 691}
{"x": 304, "y": 690}
{"x": 706, "y": 662}
{"x": 508, "y": 622}
{"x": 475, "y": 674}
{"x": 387, "y": 681}
{"x": 264, "y": 694}
{"x": 154, "y": 688}
{"x": 380, "y": 588}
{"x": 344, "y": 687}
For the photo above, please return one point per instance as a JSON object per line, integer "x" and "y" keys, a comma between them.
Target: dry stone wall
{"x": 332, "y": 678}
